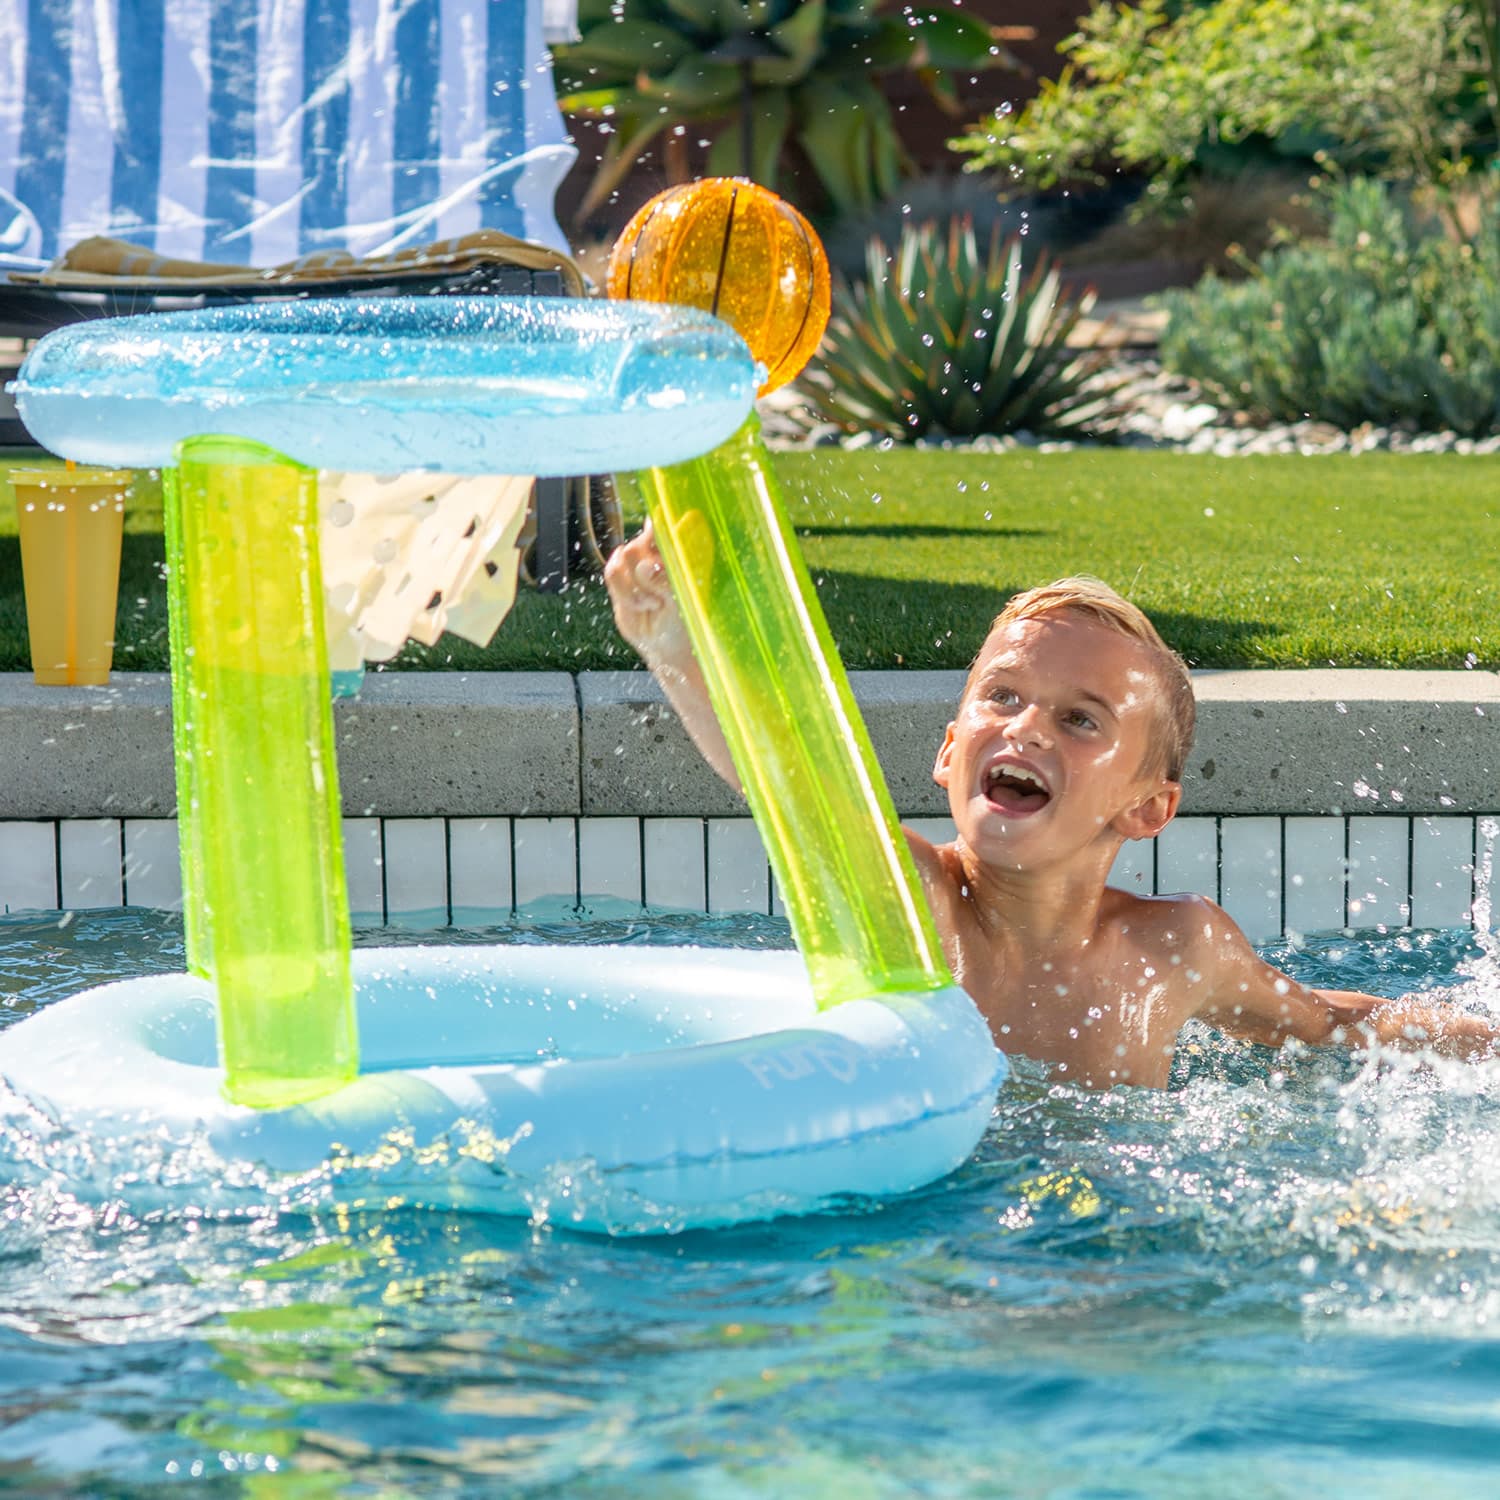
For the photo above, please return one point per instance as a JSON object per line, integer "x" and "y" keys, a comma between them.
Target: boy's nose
{"x": 1028, "y": 727}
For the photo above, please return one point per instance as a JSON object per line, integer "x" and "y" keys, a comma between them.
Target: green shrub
{"x": 941, "y": 340}
{"x": 1410, "y": 88}
{"x": 1378, "y": 323}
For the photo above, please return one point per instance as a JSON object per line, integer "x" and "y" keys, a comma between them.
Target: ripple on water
{"x": 1279, "y": 1275}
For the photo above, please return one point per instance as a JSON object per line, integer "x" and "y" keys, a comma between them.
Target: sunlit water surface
{"x": 1281, "y": 1277}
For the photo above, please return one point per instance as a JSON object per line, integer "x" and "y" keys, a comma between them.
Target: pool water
{"x": 1280, "y": 1277}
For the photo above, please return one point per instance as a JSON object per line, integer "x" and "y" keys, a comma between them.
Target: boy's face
{"x": 1051, "y": 743}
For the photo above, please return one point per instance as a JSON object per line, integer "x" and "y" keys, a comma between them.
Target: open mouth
{"x": 1015, "y": 789}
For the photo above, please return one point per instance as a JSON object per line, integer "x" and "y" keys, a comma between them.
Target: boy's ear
{"x": 944, "y": 758}
{"x": 1151, "y": 814}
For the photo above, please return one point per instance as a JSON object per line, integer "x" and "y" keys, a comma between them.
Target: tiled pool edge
{"x": 1313, "y": 800}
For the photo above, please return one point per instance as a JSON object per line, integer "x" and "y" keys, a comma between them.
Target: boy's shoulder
{"x": 1190, "y": 936}
{"x": 1183, "y": 921}
{"x": 1181, "y": 905}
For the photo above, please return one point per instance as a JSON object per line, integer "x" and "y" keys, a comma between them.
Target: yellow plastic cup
{"x": 71, "y": 521}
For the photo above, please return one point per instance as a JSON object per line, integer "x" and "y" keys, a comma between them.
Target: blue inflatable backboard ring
{"x": 466, "y": 385}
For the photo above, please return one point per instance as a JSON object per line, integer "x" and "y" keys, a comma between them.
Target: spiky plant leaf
{"x": 801, "y": 35}
{"x": 631, "y": 47}
{"x": 694, "y": 89}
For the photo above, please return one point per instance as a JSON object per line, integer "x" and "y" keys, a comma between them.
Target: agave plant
{"x": 770, "y": 71}
{"x": 942, "y": 340}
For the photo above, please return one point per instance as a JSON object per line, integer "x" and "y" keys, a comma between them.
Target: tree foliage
{"x": 1407, "y": 88}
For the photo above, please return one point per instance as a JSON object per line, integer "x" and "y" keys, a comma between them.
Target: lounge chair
{"x": 177, "y": 153}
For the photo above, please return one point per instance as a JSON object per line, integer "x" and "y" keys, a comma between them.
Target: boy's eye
{"x": 1005, "y": 695}
{"x": 1081, "y": 720}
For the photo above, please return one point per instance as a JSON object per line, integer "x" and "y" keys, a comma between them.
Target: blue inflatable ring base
{"x": 614, "y": 1089}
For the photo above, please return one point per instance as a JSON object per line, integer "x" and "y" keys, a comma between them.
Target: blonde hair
{"x": 1095, "y": 600}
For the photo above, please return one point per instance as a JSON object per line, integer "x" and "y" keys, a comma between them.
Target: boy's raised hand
{"x": 646, "y": 613}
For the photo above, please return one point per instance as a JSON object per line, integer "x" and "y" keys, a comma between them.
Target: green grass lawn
{"x": 1380, "y": 560}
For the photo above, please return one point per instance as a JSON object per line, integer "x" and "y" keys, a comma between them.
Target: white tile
{"x": 362, "y": 871}
{"x": 739, "y": 876}
{"x": 1379, "y": 852}
{"x": 675, "y": 873}
{"x": 28, "y": 867}
{"x": 89, "y": 853}
{"x": 546, "y": 865}
{"x": 1187, "y": 858}
{"x": 479, "y": 868}
{"x": 1442, "y": 872}
{"x": 153, "y": 865}
{"x": 1134, "y": 869}
{"x": 609, "y": 860}
{"x": 416, "y": 872}
{"x": 1487, "y": 865}
{"x": 1315, "y": 874}
{"x": 1250, "y": 875}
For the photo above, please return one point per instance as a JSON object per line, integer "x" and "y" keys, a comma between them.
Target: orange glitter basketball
{"x": 736, "y": 250}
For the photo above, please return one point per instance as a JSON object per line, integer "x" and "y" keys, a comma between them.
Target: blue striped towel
{"x": 254, "y": 131}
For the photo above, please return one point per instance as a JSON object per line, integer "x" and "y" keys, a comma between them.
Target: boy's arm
{"x": 1248, "y": 998}
{"x": 646, "y": 615}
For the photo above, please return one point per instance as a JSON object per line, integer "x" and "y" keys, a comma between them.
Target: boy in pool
{"x": 1070, "y": 737}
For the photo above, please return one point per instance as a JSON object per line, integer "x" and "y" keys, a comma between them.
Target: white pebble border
{"x": 1155, "y": 409}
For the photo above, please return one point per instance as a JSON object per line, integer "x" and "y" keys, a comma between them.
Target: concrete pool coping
{"x": 547, "y": 744}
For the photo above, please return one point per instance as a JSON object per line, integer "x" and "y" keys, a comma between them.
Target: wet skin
{"x": 1050, "y": 764}
{"x": 1046, "y": 769}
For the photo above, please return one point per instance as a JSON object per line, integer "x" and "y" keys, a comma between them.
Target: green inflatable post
{"x": 264, "y": 860}
{"x": 842, "y": 866}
